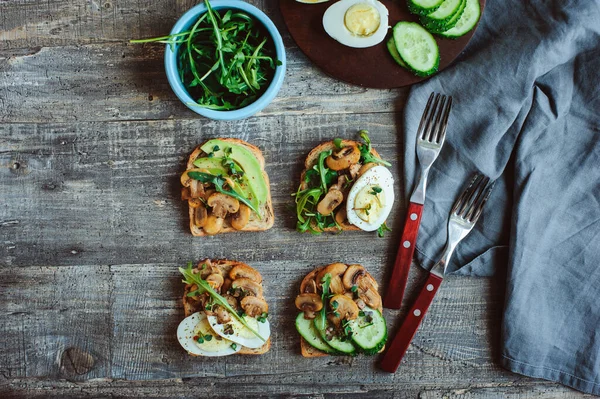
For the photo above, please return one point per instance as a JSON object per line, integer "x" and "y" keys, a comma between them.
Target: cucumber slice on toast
{"x": 417, "y": 48}
{"x": 442, "y": 15}
{"x": 345, "y": 346}
{"x": 369, "y": 331}
{"x": 307, "y": 330}
{"x": 424, "y": 7}
{"x": 466, "y": 22}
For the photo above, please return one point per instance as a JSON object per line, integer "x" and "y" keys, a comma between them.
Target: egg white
{"x": 382, "y": 177}
{"x": 197, "y": 324}
{"x": 333, "y": 22}
{"x": 241, "y": 335}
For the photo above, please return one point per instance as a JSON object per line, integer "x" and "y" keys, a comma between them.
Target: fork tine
{"x": 430, "y": 118}
{"x": 435, "y": 123}
{"x": 424, "y": 117}
{"x": 461, "y": 199}
{"x": 441, "y": 132}
{"x": 476, "y": 197}
{"x": 479, "y": 210}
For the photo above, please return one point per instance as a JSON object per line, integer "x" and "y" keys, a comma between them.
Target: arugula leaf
{"x": 323, "y": 170}
{"x": 203, "y": 286}
{"x": 337, "y": 142}
{"x": 219, "y": 181}
{"x": 365, "y": 150}
{"x": 321, "y": 320}
{"x": 382, "y": 229}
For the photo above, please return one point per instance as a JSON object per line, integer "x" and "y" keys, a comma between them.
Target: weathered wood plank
{"x": 108, "y": 193}
{"x": 125, "y": 317}
{"x": 118, "y": 81}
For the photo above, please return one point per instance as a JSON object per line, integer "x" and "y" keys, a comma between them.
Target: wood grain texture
{"x": 92, "y": 229}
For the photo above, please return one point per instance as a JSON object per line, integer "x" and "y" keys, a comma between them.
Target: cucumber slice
{"x": 307, "y": 330}
{"x": 391, "y": 46}
{"x": 369, "y": 331}
{"x": 424, "y": 7}
{"x": 417, "y": 48}
{"x": 466, "y": 22}
{"x": 345, "y": 347}
{"x": 437, "y": 28}
{"x": 443, "y": 14}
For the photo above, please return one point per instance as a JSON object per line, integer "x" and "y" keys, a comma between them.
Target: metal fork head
{"x": 432, "y": 128}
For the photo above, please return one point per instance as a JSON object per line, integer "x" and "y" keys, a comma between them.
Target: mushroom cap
{"x": 245, "y": 271}
{"x": 240, "y": 219}
{"x": 215, "y": 280}
{"x": 247, "y": 286}
{"x": 344, "y": 308}
{"x": 200, "y": 213}
{"x": 330, "y": 201}
{"x": 223, "y": 204}
{"x": 335, "y": 269}
{"x": 222, "y": 314}
{"x": 213, "y": 224}
{"x": 344, "y": 157}
{"x": 367, "y": 291}
{"x": 254, "y": 306}
{"x": 309, "y": 284}
{"x": 309, "y": 302}
{"x": 352, "y": 275}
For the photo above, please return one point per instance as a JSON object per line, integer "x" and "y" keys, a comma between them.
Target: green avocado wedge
{"x": 247, "y": 162}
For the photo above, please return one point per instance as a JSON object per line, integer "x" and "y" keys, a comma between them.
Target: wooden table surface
{"x": 92, "y": 230}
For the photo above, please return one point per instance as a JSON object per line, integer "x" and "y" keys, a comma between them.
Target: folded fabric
{"x": 526, "y": 111}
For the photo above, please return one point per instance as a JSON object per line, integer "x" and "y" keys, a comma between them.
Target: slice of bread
{"x": 266, "y": 209}
{"x": 189, "y": 307}
{"x": 306, "y": 349}
{"x": 312, "y": 158}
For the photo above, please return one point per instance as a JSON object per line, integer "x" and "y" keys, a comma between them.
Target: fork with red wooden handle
{"x": 430, "y": 138}
{"x": 463, "y": 217}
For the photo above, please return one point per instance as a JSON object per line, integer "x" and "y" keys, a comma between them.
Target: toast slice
{"x": 306, "y": 349}
{"x": 254, "y": 222}
{"x": 311, "y": 160}
{"x": 190, "y": 307}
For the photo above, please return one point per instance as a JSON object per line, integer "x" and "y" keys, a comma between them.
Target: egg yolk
{"x": 362, "y": 19}
{"x": 369, "y": 203}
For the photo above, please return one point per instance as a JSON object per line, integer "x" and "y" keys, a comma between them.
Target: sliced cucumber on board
{"x": 424, "y": 7}
{"x": 417, "y": 48}
{"x": 437, "y": 28}
{"x": 391, "y": 46}
{"x": 442, "y": 15}
{"x": 466, "y": 22}
{"x": 307, "y": 330}
{"x": 369, "y": 331}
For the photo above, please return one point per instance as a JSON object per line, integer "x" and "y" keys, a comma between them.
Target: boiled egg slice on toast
{"x": 356, "y": 23}
{"x": 235, "y": 331}
{"x": 198, "y": 338}
{"x": 371, "y": 198}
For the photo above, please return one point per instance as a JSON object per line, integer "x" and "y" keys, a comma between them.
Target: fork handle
{"x": 404, "y": 336}
{"x": 406, "y": 249}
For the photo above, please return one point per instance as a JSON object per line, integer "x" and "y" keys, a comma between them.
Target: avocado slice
{"x": 247, "y": 161}
{"x": 215, "y": 167}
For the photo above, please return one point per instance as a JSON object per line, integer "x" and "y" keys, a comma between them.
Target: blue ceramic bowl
{"x": 186, "y": 21}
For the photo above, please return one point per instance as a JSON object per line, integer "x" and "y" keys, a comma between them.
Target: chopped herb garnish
{"x": 354, "y": 289}
{"x": 200, "y": 340}
{"x": 208, "y": 337}
{"x": 365, "y": 150}
{"x": 375, "y": 190}
{"x": 233, "y": 346}
{"x": 216, "y": 148}
{"x": 337, "y": 142}
{"x": 263, "y": 317}
{"x": 382, "y": 229}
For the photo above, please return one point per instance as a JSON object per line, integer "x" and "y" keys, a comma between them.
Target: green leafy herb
{"x": 323, "y": 170}
{"x": 192, "y": 278}
{"x": 365, "y": 150}
{"x": 376, "y": 190}
{"x": 337, "y": 142}
{"x": 208, "y": 337}
{"x": 200, "y": 340}
{"x": 233, "y": 346}
{"x": 382, "y": 229}
{"x": 321, "y": 320}
{"x": 219, "y": 182}
{"x": 355, "y": 289}
{"x": 225, "y": 61}
{"x": 263, "y": 317}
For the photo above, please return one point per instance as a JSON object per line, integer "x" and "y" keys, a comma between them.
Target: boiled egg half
{"x": 235, "y": 331}
{"x": 356, "y": 23}
{"x": 371, "y": 198}
{"x": 198, "y": 338}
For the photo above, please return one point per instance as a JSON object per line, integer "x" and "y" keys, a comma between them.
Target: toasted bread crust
{"x": 254, "y": 224}
{"x": 306, "y": 349}
{"x": 312, "y": 158}
{"x": 189, "y": 308}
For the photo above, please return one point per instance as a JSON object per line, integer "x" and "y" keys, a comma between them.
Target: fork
{"x": 430, "y": 138}
{"x": 464, "y": 215}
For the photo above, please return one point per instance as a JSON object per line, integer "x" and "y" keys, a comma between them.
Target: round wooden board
{"x": 368, "y": 67}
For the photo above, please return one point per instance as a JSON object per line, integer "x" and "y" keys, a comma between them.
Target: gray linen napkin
{"x": 527, "y": 111}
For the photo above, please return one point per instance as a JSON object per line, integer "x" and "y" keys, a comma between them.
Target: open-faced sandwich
{"x": 345, "y": 185}
{"x": 340, "y": 312}
{"x": 225, "y": 310}
{"x": 227, "y": 188}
